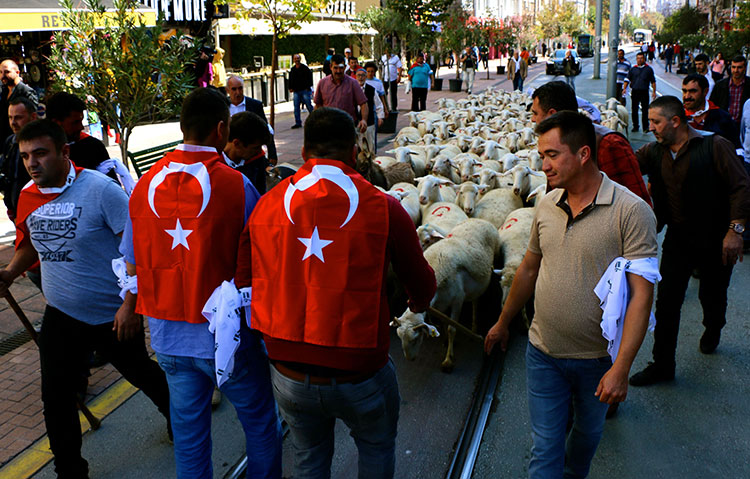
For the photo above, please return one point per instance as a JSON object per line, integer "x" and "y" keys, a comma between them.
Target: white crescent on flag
{"x": 198, "y": 170}
{"x": 324, "y": 172}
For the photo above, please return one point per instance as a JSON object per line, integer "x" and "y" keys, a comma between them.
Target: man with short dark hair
{"x": 238, "y": 102}
{"x": 316, "y": 252}
{"x": 66, "y": 110}
{"x": 702, "y": 194}
{"x": 300, "y": 85}
{"x": 244, "y": 150}
{"x": 339, "y": 90}
{"x": 731, "y": 93}
{"x": 371, "y": 68}
{"x": 623, "y": 67}
{"x": 581, "y": 230}
{"x": 71, "y": 219}
{"x": 14, "y": 175}
{"x": 186, "y": 216}
{"x": 518, "y": 69}
{"x": 703, "y": 114}
{"x": 12, "y": 87}
{"x": 352, "y": 66}
{"x": 639, "y": 78}
{"x": 701, "y": 67}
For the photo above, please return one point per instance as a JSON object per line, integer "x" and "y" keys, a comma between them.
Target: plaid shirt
{"x": 616, "y": 158}
{"x": 735, "y": 97}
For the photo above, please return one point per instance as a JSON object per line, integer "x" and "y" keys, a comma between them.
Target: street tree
{"x": 119, "y": 66}
{"x": 454, "y": 31}
{"x": 282, "y": 16}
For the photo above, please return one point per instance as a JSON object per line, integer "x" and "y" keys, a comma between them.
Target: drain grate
{"x": 15, "y": 340}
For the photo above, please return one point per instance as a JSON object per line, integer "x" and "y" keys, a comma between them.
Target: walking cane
{"x": 93, "y": 421}
{"x": 455, "y": 324}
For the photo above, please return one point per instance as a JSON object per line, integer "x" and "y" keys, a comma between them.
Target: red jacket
{"x": 617, "y": 160}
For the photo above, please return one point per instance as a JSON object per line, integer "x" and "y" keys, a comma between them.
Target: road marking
{"x": 36, "y": 456}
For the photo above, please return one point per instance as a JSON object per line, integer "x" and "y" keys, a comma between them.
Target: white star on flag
{"x": 314, "y": 245}
{"x": 179, "y": 236}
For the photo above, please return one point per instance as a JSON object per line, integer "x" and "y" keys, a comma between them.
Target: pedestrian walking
{"x": 569, "y": 69}
{"x": 668, "y": 55}
{"x": 484, "y": 56}
{"x": 702, "y": 195}
{"x": 220, "y": 72}
{"x": 21, "y": 112}
{"x": 300, "y": 85}
{"x": 320, "y": 244}
{"x": 392, "y": 67}
{"x": 731, "y": 93}
{"x": 703, "y": 114}
{"x": 186, "y": 216}
{"x": 375, "y": 109}
{"x": 238, "y": 102}
{"x": 623, "y": 67}
{"x": 567, "y": 358}
{"x": 327, "y": 61}
{"x": 651, "y": 51}
{"x": 701, "y": 67}
{"x": 639, "y": 78}
{"x": 372, "y": 69}
{"x": 70, "y": 219}
{"x": 420, "y": 76}
{"x": 469, "y": 67}
{"x": 517, "y": 71}
{"x": 248, "y": 134}
{"x": 12, "y": 87}
{"x": 717, "y": 67}
{"x": 342, "y": 91}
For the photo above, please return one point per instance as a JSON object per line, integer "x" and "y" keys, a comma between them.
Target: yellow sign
{"x": 16, "y": 20}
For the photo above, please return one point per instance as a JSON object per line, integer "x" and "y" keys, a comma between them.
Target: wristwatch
{"x": 737, "y": 228}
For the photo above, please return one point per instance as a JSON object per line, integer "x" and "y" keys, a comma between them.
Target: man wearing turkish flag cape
{"x": 186, "y": 216}
{"x": 316, "y": 251}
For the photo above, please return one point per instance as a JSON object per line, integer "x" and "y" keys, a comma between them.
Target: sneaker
{"x": 710, "y": 340}
{"x": 654, "y": 373}
{"x": 294, "y": 127}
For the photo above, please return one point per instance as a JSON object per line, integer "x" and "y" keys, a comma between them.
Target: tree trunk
{"x": 124, "y": 139}
{"x": 272, "y": 93}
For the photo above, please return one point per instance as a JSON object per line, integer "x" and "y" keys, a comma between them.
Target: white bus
{"x": 642, "y": 35}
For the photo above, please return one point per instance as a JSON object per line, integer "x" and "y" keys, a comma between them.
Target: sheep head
{"x": 412, "y": 330}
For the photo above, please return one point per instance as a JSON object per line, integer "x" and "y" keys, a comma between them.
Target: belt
{"x": 321, "y": 380}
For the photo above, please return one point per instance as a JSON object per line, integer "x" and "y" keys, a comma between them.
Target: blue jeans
{"x": 518, "y": 82}
{"x": 369, "y": 408}
{"x": 191, "y": 383}
{"x": 303, "y": 96}
{"x": 571, "y": 81}
{"x": 551, "y": 382}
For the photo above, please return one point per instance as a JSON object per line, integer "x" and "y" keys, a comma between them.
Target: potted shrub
{"x": 454, "y": 38}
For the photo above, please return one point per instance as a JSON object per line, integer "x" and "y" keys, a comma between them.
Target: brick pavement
{"x": 21, "y": 417}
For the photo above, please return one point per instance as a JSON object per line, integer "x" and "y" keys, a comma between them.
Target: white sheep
{"x": 433, "y": 190}
{"x": 407, "y": 136}
{"x": 408, "y": 195}
{"x": 494, "y": 205}
{"x": 525, "y": 180}
{"x": 443, "y": 168}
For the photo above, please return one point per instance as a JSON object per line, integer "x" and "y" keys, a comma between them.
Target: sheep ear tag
{"x": 314, "y": 244}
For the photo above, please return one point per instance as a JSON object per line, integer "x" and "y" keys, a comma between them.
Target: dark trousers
{"x": 618, "y": 94}
{"x": 518, "y": 82}
{"x": 639, "y": 97}
{"x": 681, "y": 254}
{"x": 418, "y": 99}
{"x": 64, "y": 348}
{"x": 391, "y": 86}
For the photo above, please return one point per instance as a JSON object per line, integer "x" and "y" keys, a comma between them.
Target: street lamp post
{"x": 614, "y": 43}
{"x": 598, "y": 40}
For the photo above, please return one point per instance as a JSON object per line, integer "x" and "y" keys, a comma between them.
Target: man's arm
{"x": 733, "y": 173}
{"x": 613, "y": 387}
{"x": 24, "y": 257}
{"x": 364, "y": 111}
{"x": 127, "y": 324}
{"x": 520, "y": 292}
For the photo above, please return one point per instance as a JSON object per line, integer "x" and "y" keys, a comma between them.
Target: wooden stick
{"x": 93, "y": 420}
{"x": 456, "y": 325}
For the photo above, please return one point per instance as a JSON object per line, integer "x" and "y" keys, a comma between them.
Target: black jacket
{"x": 14, "y": 175}
{"x": 255, "y": 106}
{"x": 300, "y": 78}
{"x": 21, "y": 90}
{"x": 720, "y": 93}
{"x": 718, "y": 121}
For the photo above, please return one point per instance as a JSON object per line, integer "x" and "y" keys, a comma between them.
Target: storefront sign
{"x": 38, "y": 20}
{"x": 341, "y": 8}
{"x": 180, "y": 10}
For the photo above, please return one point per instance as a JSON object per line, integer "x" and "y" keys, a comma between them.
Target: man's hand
{"x": 613, "y": 387}
{"x": 653, "y": 95}
{"x": 127, "y": 323}
{"x": 498, "y": 333}
{"x": 732, "y": 248}
{"x": 6, "y": 279}
{"x": 362, "y": 125}
{"x": 380, "y": 121}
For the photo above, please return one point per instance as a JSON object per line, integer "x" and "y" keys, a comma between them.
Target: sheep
{"x": 433, "y": 190}
{"x": 408, "y": 195}
{"x": 509, "y": 161}
{"x": 384, "y": 161}
{"x": 490, "y": 179}
{"x": 514, "y": 237}
{"x": 494, "y": 206}
{"x": 443, "y": 168}
{"x": 398, "y": 173}
{"x": 493, "y": 150}
{"x": 463, "y": 268}
{"x": 525, "y": 180}
{"x": 406, "y": 136}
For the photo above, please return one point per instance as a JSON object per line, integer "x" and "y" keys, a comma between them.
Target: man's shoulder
{"x": 252, "y": 103}
{"x": 93, "y": 180}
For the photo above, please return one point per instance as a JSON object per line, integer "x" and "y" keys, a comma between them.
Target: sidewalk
{"x": 23, "y": 445}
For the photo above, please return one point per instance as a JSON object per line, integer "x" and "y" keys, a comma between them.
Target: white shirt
{"x": 745, "y": 130}
{"x": 237, "y": 108}
{"x": 392, "y": 64}
{"x": 711, "y": 82}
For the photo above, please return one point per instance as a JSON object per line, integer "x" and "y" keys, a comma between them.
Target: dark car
{"x": 555, "y": 63}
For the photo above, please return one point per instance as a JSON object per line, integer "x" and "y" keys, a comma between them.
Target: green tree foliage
{"x": 685, "y": 21}
{"x": 455, "y": 35}
{"x": 559, "y": 18}
{"x": 115, "y": 60}
{"x": 630, "y": 23}
{"x": 652, "y": 20}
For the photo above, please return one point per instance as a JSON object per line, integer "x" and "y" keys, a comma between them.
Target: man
{"x": 668, "y": 55}
{"x": 247, "y": 136}
{"x": 352, "y": 67}
{"x": 13, "y": 87}
{"x": 327, "y": 62}
{"x": 66, "y": 110}
{"x": 701, "y": 67}
{"x": 374, "y": 107}
{"x": 392, "y": 67}
{"x": 300, "y": 85}
{"x": 613, "y": 153}
{"x": 377, "y": 84}
{"x": 186, "y": 216}
{"x": 469, "y": 65}
{"x": 702, "y": 114}
{"x": 639, "y": 78}
{"x": 341, "y": 91}
{"x": 21, "y": 112}
{"x": 702, "y": 194}
{"x": 623, "y": 67}
{"x": 517, "y": 71}
{"x": 579, "y": 228}
{"x": 347, "y": 57}
{"x": 731, "y": 93}
{"x": 320, "y": 270}
{"x": 239, "y": 102}
{"x": 70, "y": 219}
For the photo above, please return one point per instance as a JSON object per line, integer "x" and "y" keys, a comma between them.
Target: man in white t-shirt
{"x": 391, "y": 76}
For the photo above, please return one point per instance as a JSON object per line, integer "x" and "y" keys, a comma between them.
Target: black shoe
{"x": 635, "y": 129}
{"x": 294, "y": 127}
{"x": 654, "y": 373}
{"x": 710, "y": 340}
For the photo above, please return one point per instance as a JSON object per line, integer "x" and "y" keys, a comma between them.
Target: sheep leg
{"x": 449, "y": 361}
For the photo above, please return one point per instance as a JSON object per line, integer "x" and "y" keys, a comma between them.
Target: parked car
{"x": 555, "y": 63}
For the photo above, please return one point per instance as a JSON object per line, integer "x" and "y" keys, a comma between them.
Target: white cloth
{"x": 391, "y": 65}
{"x": 240, "y": 107}
{"x": 122, "y": 173}
{"x": 711, "y": 83}
{"x": 124, "y": 280}
{"x": 222, "y": 310}
{"x": 57, "y": 189}
{"x": 745, "y": 130}
{"x": 612, "y": 291}
{"x": 593, "y": 112}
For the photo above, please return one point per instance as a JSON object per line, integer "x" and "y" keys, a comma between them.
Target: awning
{"x": 46, "y": 15}
{"x": 256, "y": 26}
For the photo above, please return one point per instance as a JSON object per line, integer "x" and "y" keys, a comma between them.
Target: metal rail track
{"x": 467, "y": 448}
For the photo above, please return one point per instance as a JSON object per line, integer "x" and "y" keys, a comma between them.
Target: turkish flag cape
{"x": 187, "y": 212}
{"x": 318, "y": 257}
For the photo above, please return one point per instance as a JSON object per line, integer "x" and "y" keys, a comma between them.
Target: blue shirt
{"x": 640, "y": 78}
{"x": 180, "y": 338}
{"x": 420, "y": 76}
